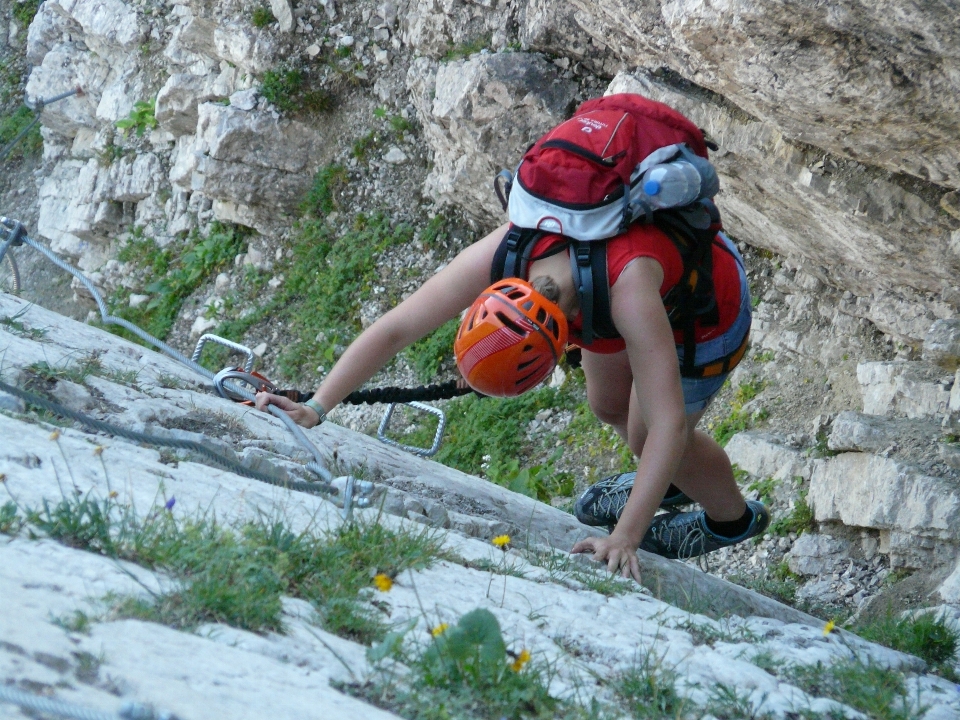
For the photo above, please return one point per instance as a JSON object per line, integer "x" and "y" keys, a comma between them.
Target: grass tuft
{"x": 927, "y": 636}
{"x": 170, "y": 275}
{"x": 11, "y": 125}
{"x": 236, "y": 575}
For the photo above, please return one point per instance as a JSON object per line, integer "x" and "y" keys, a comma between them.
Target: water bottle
{"x": 680, "y": 182}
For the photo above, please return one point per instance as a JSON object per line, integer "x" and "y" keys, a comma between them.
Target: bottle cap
{"x": 651, "y": 187}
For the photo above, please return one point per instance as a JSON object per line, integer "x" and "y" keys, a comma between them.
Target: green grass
{"x": 261, "y": 16}
{"x": 170, "y": 275}
{"x": 647, "y": 691}
{"x": 15, "y": 325}
{"x": 322, "y": 199}
{"x": 563, "y": 568}
{"x": 926, "y": 636}
{"x": 236, "y": 575}
{"x": 10, "y": 520}
{"x": 31, "y": 144}
{"x": 494, "y": 427}
{"x": 738, "y": 420}
{"x": 287, "y": 89}
{"x": 328, "y": 278}
{"x": 25, "y": 10}
{"x": 467, "y": 49}
{"x": 876, "y": 691}
{"x": 76, "y": 372}
{"x": 798, "y": 521}
{"x": 428, "y": 354}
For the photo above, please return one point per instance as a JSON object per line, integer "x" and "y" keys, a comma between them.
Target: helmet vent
{"x": 541, "y": 316}
{"x": 509, "y": 323}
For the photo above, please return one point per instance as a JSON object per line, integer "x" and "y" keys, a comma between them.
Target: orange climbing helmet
{"x": 510, "y": 339}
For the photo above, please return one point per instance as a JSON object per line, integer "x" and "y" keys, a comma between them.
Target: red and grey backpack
{"x": 588, "y": 179}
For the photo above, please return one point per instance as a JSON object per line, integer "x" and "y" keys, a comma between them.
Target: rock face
{"x": 479, "y": 115}
{"x": 837, "y": 126}
{"x": 227, "y": 671}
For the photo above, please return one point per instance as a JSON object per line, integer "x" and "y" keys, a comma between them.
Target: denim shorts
{"x": 698, "y": 392}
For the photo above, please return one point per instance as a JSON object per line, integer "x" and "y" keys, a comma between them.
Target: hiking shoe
{"x": 686, "y": 535}
{"x": 602, "y": 503}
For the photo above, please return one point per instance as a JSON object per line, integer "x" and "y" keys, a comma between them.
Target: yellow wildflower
{"x": 112, "y": 494}
{"x": 439, "y": 629}
{"x": 828, "y": 628}
{"x": 522, "y": 659}
{"x": 501, "y": 541}
{"x": 383, "y": 582}
{"x": 3, "y": 478}
{"x": 98, "y": 450}
{"x": 55, "y": 435}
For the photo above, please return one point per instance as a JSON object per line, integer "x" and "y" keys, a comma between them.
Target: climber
{"x": 633, "y": 384}
{"x": 615, "y": 240}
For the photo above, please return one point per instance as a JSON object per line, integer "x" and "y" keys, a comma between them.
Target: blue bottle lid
{"x": 651, "y": 187}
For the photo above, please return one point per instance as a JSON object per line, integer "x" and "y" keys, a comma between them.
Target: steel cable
{"x": 215, "y": 457}
{"x": 317, "y": 466}
{"x": 49, "y": 706}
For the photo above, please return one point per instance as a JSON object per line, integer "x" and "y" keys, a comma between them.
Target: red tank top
{"x": 649, "y": 241}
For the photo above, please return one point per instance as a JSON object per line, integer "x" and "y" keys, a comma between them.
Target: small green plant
{"x": 400, "y": 124}
{"x": 491, "y": 432}
{"x": 15, "y": 325}
{"x": 764, "y": 488}
{"x": 466, "y": 49}
{"x": 466, "y": 671}
{"x": 537, "y": 481}
{"x": 647, "y": 691}
{"x": 10, "y": 520}
{"x": 237, "y": 575}
{"x": 739, "y": 420}
{"x": 779, "y": 583}
{"x": 76, "y": 372}
{"x": 261, "y": 16}
{"x": 799, "y": 520}
{"x": 364, "y": 145}
{"x": 12, "y": 125}
{"x": 25, "y": 10}
{"x": 428, "y": 354}
{"x": 765, "y": 356}
{"x": 141, "y": 117}
{"x": 287, "y": 90}
{"x": 77, "y": 622}
{"x": 323, "y": 197}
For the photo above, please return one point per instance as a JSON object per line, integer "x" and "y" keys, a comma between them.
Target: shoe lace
{"x": 688, "y": 537}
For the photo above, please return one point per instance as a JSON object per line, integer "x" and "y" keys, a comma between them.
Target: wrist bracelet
{"x": 317, "y": 408}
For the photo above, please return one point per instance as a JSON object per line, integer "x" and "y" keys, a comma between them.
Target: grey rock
{"x": 74, "y": 396}
{"x": 479, "y": 115}
{"x": 815, "y": 554}
{"x": 11, "y": 403}
{"x": 941, "y": 346}
{"x": 283, "y": 12}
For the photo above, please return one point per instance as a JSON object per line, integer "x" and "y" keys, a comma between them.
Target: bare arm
{"x": 639, "y": 316}
{"x": 439, "y": 299}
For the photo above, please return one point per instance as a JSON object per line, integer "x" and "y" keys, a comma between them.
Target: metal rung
{"x": 422, "y": 452}
{"x": 236, "y": 347}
